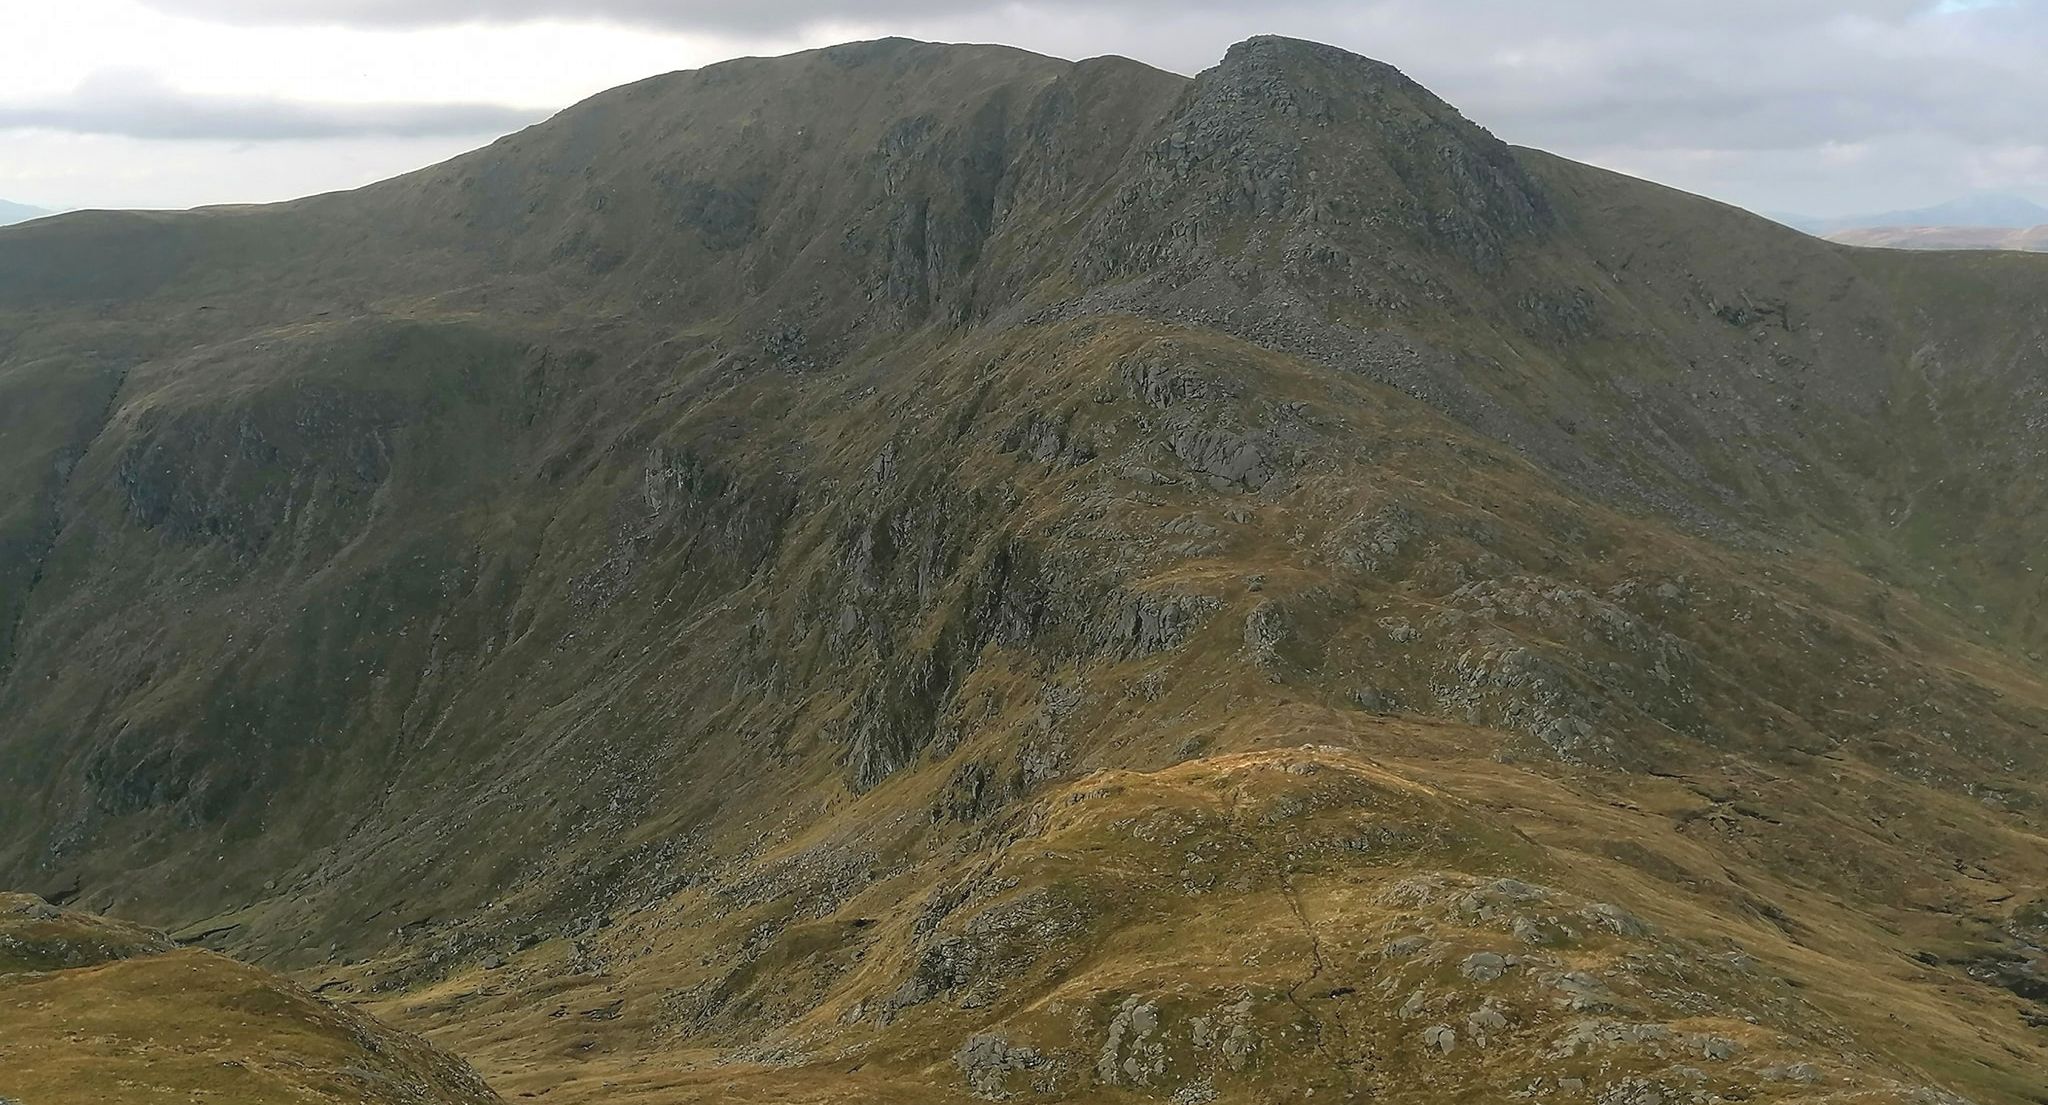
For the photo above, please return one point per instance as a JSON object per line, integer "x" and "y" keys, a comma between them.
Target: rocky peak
{"x": 1329, "y": 167}
{"x": 1368, "y": 145}
{"x": 1288, "y": 68}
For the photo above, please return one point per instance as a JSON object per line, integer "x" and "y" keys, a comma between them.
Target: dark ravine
{"x": 914, "y": 573}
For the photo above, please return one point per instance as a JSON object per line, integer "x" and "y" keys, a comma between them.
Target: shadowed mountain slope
{"x": 912, "y": 572}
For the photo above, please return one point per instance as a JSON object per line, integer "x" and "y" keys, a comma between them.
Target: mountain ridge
{"x": 2031, "y": 239}
{"x": 11, "y": 213}
{"x": 2003, "y": 211}
{"x": 924, "y": 590}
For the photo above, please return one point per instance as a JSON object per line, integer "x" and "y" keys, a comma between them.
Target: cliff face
{"x": 922, "y": 571}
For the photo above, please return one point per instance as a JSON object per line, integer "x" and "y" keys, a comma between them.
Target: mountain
{"x": 2034, "y": 239}
{"x": 1989, "y": 210}
{"x": 11, "y": 213}
{"x": 930, "y": 573}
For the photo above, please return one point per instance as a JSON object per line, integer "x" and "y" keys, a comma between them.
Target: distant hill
{"x": 1993, "y": 210}
{"x": 11, "y": 213}
{"x": 2032, "y": 239}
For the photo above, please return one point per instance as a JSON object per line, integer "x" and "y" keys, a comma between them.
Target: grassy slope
{"x": 93, "y": 1010}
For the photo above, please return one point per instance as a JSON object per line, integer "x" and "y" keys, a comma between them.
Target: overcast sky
{"x": 1780, "y": 105}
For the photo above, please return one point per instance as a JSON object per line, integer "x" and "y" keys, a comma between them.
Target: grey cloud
{"x": 1699, "y": 91}
{"x": 1753, "y": 74}
{"x": 1760, "y": 74}
{"x": 1481, "y": 17}
{"x": 1825, "y": 105}
{"x": 139, "y": 106}
{"x": 758, "y": 16}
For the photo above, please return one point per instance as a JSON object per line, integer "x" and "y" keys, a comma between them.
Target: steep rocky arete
{"x": 927, "y": 573}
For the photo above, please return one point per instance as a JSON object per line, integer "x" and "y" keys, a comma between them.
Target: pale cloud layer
{"x": 1776, "y": 104}
{"x": 140, "y": 105}
{"x": 91, "y": 170}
